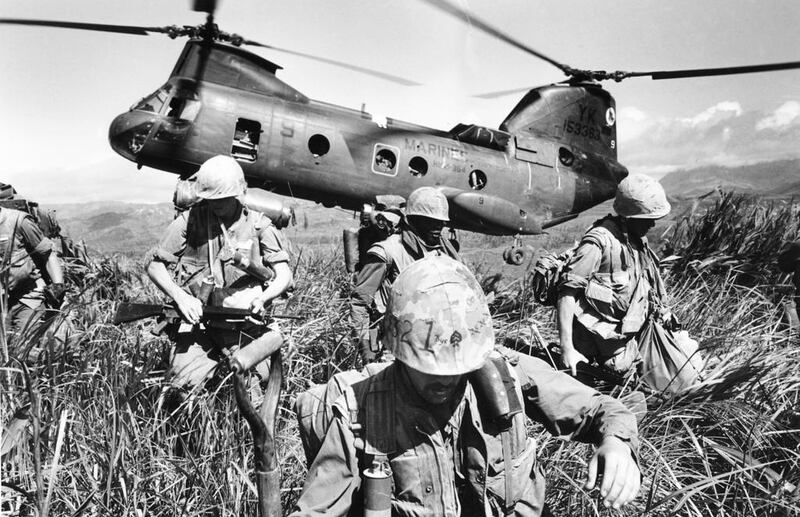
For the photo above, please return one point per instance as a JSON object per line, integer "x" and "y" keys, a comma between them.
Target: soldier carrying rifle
{"x": 223, "y": 255}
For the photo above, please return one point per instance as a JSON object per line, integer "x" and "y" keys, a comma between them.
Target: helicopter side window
{"x": 385, "y": 160}
{"x": 417, "y": 166}
{"x": 245, "y": 140}
{"x": 477, "y": 179}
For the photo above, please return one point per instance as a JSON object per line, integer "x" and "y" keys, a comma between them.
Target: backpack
{"x": 546, "y": 276}
{"x": 314, "y": 407}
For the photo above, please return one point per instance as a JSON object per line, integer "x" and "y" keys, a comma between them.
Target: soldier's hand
{"x": 620, "y": 473}
{"x": 258, "y": 306}
{"x": 54, "y": 295}
{"x": 190, "y": 307}
{"x": 571, "y": 358}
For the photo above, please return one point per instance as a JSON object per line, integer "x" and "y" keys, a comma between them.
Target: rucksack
{"x": 314, "y": 407}
{"x": 546, "y": 276}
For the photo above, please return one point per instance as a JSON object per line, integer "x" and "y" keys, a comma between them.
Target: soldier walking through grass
{"x": 423, "y": 437}
{"x": 420, "y": 235}
{"x": 33, "y": 280}
{"x": 612, "y": 284}
{"x": 200, "y": 246}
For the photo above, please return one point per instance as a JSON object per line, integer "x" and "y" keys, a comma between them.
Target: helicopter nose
{"x": 129, "y": 131}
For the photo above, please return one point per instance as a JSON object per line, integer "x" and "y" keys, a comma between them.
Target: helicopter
{"x": 553, "y": 156}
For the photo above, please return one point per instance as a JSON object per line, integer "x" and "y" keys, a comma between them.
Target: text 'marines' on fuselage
{"x": 553, "y": 156}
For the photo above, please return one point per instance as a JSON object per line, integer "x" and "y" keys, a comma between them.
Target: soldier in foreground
{"x": 420, "y": 235}
{"x": 423, "y": 436}
{"x": 32, "y": 276}
{"x": 200, "y": 245}
{"x": 612, "y": 284}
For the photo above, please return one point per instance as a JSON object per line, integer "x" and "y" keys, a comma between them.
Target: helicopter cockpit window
{"x": 385, "y": 160}
{"x": 183, "y": 108}
{"x": 477, "y": 179}
{"x": 417, "y": 166}
{"x": 245, "y": 140}
{"x": 153, "y": 102}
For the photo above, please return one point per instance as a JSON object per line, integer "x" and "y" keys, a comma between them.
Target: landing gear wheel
{"x": 515, "y": 255}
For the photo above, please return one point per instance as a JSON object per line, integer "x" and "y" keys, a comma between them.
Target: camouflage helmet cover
{"x": 641, "y": 197}
{"x": 220, "y": 177}
{"x": 428, "y": 202}
{"x": 437, "y": 320}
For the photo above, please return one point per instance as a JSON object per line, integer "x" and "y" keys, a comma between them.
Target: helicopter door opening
{"x": 245, "y": 140}
{"x": 384, "y": 160}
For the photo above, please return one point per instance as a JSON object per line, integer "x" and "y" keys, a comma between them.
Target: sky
{"x": 61, "y": 88}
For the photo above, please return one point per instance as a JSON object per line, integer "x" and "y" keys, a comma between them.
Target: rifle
{"x": 166, "y": 314}
{"x": 553, "y": 352}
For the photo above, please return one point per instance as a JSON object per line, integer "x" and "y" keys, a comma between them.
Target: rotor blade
{"x": 494, "y": 95}
{"x": 348, "y": 66}
{"x": 459, "y": 13}
{"x": 703, "y": 72}
{"x": 123, "y": 29}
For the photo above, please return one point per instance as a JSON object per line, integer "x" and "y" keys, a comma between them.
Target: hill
{"x": 777, "y": 179}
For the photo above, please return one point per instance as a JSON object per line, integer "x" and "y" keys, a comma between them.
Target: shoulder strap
{"x": 372, "y": 417}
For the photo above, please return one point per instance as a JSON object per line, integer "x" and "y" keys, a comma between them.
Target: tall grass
{"x": 94, "y": 439}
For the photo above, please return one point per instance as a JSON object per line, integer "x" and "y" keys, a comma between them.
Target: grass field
{"x": 90, "y": 439}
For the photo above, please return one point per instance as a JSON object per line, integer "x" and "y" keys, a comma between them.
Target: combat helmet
{"x": 437, "y": 320}
{"x": 220, "y": 177}
{"x": 428, "y": 202}
{"x": 641, "y": 197}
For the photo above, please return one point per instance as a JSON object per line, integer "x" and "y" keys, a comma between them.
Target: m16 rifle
{"x": 585, "y": 370}
{"x": 169, "y": 314}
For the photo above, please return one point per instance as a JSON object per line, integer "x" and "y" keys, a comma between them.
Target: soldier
{"x": 195, "y": 244}
{"x": 25, "y": 255}
{"x": 420, "y": 235}
{"x": 612, "y": 284}
{"x": 432, "y": 437}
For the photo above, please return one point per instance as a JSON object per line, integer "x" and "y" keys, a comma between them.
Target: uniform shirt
{"x": 619, "y": 266}
{"x": 187, "y": 234}
{"x": 461, "y": 471}
{"x": 30, "y": 241}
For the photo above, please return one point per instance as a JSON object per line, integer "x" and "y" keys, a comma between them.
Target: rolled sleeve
{"x": 273, "y": 246}
{"x": 579, "y": 269}
{"x": 566, "y": 407}
{"x": 172, "y": 244}
{"x": 36, "y": 244}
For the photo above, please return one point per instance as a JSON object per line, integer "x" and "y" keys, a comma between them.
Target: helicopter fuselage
{"x": 498, "y": 182}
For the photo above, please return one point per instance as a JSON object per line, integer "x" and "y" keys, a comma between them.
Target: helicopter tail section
{"x": 582, "y": 116}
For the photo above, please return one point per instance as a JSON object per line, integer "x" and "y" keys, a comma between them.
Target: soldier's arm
{"x": 272, "y": 247}
{"x": 168, "y": 251}
{"x": 567, "y": 407}
{"x": 574, "y": 279}
{"x": 367, "y": 283}
{"x": 333, "y": 478}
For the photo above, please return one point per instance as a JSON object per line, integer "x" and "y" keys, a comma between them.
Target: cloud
{"x": 723, "y": 134}
{"x": 787, "y": 114}
{"x": 720, "y": 111}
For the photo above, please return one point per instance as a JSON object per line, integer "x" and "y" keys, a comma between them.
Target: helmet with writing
{"x": 220, "y": 177}
{"x": 437, "y": 320}
{"x": 428, "y": 202}
{"x": 641, "y": 197}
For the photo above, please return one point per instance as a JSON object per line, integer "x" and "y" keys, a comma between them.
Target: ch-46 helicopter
{"x": 554, "y": 155}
